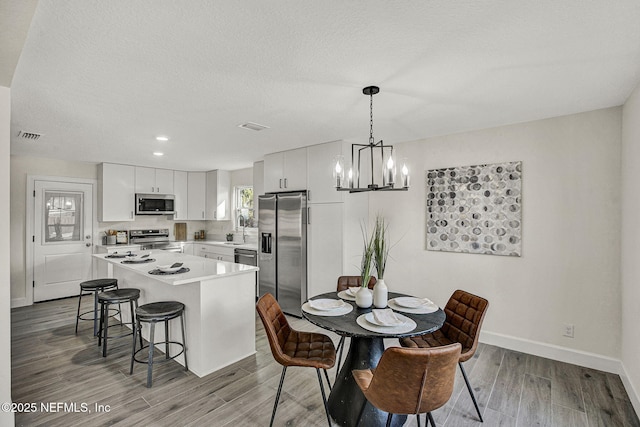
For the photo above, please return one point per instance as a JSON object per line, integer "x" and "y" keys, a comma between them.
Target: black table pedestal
{"x": 346, "y": 401}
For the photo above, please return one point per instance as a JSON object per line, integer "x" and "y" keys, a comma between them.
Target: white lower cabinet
{"x": 324, "y": 247}
{"x": 214, "y": 252}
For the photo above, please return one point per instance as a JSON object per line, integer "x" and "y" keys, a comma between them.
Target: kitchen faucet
{"x": 244, "y": 226}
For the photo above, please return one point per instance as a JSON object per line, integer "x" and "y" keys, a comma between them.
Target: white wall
{"x": 6, "y": 418}
{"x": 631, "y": 246}
{"x": 569, "y": 271}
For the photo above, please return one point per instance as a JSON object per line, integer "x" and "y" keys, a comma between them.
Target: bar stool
{"x": 153, "y": 313}
{"x": 94, "y": 286}
{"x": 117, "y": 296}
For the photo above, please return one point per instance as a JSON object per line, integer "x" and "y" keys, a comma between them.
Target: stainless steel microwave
{"x": 155, "y": 204}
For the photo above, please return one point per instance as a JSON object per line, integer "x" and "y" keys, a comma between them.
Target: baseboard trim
{"x": 555, "y": 352}
{"x": 634, "y": 396}
{"x": 19, "y": 302}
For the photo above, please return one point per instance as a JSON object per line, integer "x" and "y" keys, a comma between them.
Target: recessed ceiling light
{"x": 253, "y": 126}
{"x": 162, "y": 138}
{"x": 157, "y": 153}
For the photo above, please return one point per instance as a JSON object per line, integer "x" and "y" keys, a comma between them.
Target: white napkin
{"x": 353, "y": 290}
{"x": 326, "y": 304}
{"x": 386, "y": 317}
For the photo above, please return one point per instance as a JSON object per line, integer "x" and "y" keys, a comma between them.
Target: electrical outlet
{"x": 568, "y": 330}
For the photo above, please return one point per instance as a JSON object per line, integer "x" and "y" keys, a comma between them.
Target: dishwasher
{"x": 246, "y": 256}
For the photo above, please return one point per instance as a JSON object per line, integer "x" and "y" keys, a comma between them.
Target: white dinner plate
{"x": 423, "y": 309}
{"x": 326, "y": 304}
{"x": 168, "y": 269}
{"x": 347, "y": 308}
{"x": 412, "y": 302}
{"x": 408, "y": 325}
{"x": 369, "y": 317}
{"x": 345, "y": 296}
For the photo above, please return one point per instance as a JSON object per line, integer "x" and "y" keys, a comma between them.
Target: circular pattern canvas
{"x": 475, "y": 209}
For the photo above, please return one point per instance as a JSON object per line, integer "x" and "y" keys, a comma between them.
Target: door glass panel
{"x": 63, "y": 216}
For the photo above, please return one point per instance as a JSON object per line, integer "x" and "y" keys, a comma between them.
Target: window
{"x": 63, "y": 217}
{"x": 244, "y": 207}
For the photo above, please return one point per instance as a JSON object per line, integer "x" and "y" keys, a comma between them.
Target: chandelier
{"x": 377, "y": 151}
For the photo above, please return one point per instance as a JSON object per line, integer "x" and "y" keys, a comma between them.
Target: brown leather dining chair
{"x": 344, "y": 283}
{"x": 294, "y": 348}
{"x": 465, "y": 313}
{"x": 410, "y": 380}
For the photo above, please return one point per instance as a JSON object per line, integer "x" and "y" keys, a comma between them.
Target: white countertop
{"x": 239, "y": 245}
{"x": 199, "y": 268}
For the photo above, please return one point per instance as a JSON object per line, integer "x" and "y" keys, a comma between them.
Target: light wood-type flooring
{"x": 50, "y": 364}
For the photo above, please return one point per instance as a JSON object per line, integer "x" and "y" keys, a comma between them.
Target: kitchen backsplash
{"x": 215, "y": 230}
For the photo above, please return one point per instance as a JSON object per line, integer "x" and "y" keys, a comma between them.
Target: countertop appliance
{"x": 154, "y": 239}
{"x": 155, "y": 204}
{"x": 245, "y": 256}
{"x": 282, "y": 248}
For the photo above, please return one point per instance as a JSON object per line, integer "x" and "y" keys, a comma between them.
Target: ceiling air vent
{"x": 30, "y": 136}
{"x": 253, "y": 126}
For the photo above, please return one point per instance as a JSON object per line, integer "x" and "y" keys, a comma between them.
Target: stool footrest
{"x": 159, "y": 360}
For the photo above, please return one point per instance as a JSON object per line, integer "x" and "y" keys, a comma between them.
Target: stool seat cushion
{"x": 92, "y": 285}
{"x": 119, "y": 295}
{"x": 159, "y": 310}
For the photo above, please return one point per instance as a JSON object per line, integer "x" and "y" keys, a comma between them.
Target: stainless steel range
{"x": 154, "y": 239}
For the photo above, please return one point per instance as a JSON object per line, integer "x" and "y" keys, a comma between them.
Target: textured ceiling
{"x": 101, "y": 79}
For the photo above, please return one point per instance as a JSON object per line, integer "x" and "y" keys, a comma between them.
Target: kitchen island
{"x": 219, "y": 299}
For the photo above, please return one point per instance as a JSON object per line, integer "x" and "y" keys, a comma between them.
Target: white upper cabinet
{"x": 181, "y": 191}
{"x": 116, "y": 192}
{"x": 151, "y": 180}
{"x": 164, "y": 181}
{"x": 218, "y": 195}
{"x": 197, "y": 195}
{"x": 285, "y": 171}
{"x": 321, "y": 184}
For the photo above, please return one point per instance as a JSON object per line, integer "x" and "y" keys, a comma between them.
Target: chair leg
{"x": 150, "y": 359}
{"x": 389, "y": 419}
{"x": 473, "y": 397}
{"x": 95, "y": 313}
{"x": 326, "y": 374}
{"x": 184, "y": 343}
{"x": 430, "y": 419}
{"x": 418, "y": 418}
{"x": 324, "y": 398}
{"x": 136, "y": 327}
{"x": 340, "y": 348}
{"x": 275, "y": 405}
{"x": 105, "y": 309}
{"x": 78, "y": 316}
{"x": 166, "y": 339}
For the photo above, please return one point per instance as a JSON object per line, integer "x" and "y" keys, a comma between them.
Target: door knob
{"x": 88, "y": 236}
{"x": 88, "y": 244}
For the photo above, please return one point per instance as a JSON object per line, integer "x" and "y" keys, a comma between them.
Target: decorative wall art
{"x": 475, "y": 209}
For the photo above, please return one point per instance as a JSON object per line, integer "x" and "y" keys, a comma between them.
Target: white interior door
{"x": 62, "y": 240}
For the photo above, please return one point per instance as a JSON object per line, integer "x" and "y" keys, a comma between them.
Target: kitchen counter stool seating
{"x": 94, "y": 287}
{"x": 410, "y": 381}
{"x": 465, "y": 313}
{"x": 116, "y": 296}
{"x": 294, "y": 348}
{"x": 153, "y": 313}
{"x": 344, "y": 283}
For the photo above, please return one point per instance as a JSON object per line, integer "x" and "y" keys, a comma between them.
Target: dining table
{"x": 347, "y": 404}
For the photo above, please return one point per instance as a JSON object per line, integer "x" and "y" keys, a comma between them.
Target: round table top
{"x": 346, "y": 325}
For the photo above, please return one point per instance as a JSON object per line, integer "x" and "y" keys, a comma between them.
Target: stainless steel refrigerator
{"x": 282, "y": 227}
